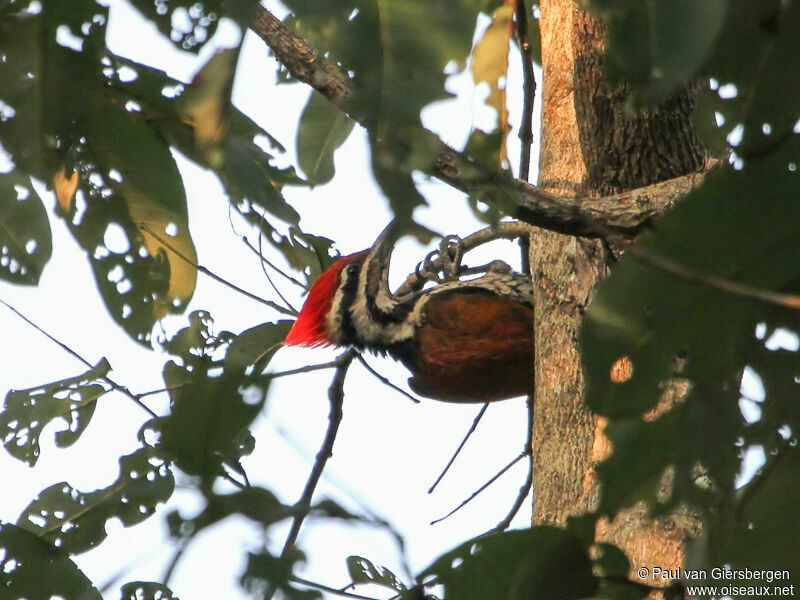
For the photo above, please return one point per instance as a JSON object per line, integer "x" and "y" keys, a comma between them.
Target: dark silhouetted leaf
{"x": 397, "y": 53}
{"x": 363, "y": 571}
{"x": 34, "y": 569}
{"x": 323, "y": 128}
{"x": 25, "y": 243}
{"x": 753, "y": 537}
{"x": 209, "y": 419}
{"x": 266, "y": 572}
{"x": 256, "y": 346}
{"x": 543, "y": 562}
{"x": 76, "y": 521}
{"x": 659, "y": 46}
{"x": 146, "y": 590}
{"x": 740, "y": 226}
{"x": 26, "y": 412}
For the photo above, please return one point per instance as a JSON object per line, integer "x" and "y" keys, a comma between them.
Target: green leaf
{"x": 146, "y": 590}
{"x": 754, "y": 537}
{"x": 26, "y": 412}
{"x": 542, "y": 562}
{"x": 190, "y": 24}
{"x": 76, "y": 521}
{"x": 256, "y": 503}
{"x": 25, "y": 242}
{"x": 323, "y": 128}
{"x": 256, "y": 346}
{"x": 363, "y": 571}
{"x": 659, "y": 46}
{"x": 267, "y": 572}
{"x": 740, "y": 226}
{"x": 34, "y": 569}
{"x": 209, "y": 419}
{"x": 397, "y": 52}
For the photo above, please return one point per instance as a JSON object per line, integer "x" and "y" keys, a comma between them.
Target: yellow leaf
{"x": 168, "y": 233}
{"x": 490, "y": 63}
{"x": 65, "y": 189}
{"x": 206, "y": 103}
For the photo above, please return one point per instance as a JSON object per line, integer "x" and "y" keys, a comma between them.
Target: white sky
{"x": 388, "y": 451}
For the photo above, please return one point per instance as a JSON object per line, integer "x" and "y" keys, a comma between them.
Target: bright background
{"x": 388, "y": 451}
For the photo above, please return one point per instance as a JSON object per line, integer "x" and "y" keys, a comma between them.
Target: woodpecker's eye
{"x": 352, "y": 270}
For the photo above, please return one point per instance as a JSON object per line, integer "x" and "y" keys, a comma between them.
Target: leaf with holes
{"x": 26, "y": 412}
{"x": 76, "y": 521}
{"x": 25, "y": 241}
{"x": 209, "y": 419}
{"x": 32, "y": 568}
{"x": 146, "y": 590}
{"x": 129, "y": 213}
{"x": 545, "y": 562}
{"x": 323, "y": 128}
{"x": 363, "y": 571}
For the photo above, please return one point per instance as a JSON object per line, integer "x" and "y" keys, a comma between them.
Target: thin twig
{"x": 179, "y": 552}
{"x": 790, "y": 301}
{"x": 279, "y": 271}
{"x": 528, "y": 484}
{"x": 504, "y": 230}
{"x": 306, "y": 369}
{"x": 170, "y": 388}
{"x": 114, "y": 385}
{"x": 385, "y": 381}
{"x": 324, "y": 588}
{"x": 482, "y": 488}
{"x": 529, "y": 90}
{"x": 471, "y": 430}
{"x": 336, "y": 398}
{"x": 214, "y": 276}
{"x": 269, "y": 279}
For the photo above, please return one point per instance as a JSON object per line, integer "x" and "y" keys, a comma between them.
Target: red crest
{"x": 309, "y": 329}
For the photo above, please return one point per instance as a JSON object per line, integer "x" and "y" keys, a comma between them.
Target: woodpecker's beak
{"x": 376, "y": 267}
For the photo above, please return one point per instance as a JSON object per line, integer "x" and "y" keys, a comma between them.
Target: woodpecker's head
{"x": 325, "y": 298}
{"x": 350, "y": 304}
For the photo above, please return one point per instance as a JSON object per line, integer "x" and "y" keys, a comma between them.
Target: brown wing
{"x": 474, "y": 346}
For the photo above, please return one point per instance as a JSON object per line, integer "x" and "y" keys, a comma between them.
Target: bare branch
{"x": 528, "y": 484}
{"x": 529, "y": 90}
{"x": 480, "y": 489}
{"x": 504, "y": 230}
{"x": 385, "y": 381}
{"x": 450, "y": 462}
{"x": 324, "y": 588}
{"x": 306, "y": 369}
{"x": 279, "y": 271}
{"x": 214, "y": 276}
{"x": 336, "y": 398}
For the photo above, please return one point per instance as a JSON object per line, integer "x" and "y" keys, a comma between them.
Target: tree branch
{"x": 624, "y": 213}
{"x": 336, "y": 397}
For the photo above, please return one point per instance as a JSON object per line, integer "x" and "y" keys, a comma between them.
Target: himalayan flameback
{"x": 462, "y": 340}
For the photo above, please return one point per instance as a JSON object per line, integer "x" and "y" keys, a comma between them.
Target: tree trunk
{"x": 589, "y": 148}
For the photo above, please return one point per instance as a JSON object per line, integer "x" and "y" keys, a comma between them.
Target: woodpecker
{"x": 462, "y": 340}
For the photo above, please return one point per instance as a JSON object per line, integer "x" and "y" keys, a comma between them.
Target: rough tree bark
{"x": 590, "y": 149}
